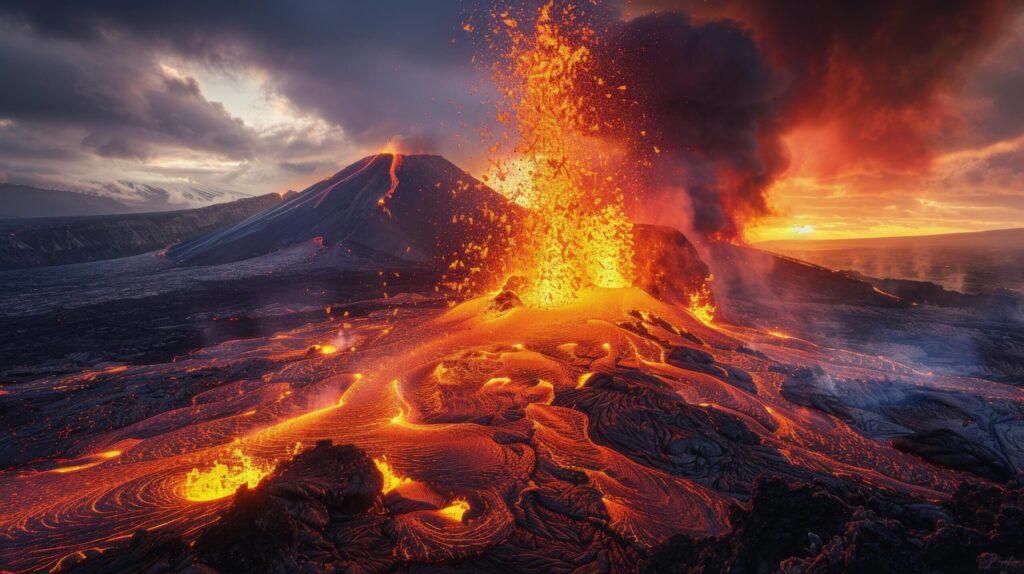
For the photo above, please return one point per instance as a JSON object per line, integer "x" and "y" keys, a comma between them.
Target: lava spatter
{"x": 575, "y": 233}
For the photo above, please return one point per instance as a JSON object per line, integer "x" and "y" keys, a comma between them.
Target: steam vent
{"x": 562, "y": 287}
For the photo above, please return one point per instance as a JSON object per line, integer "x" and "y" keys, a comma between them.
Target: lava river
{"x": 478, "y": 414}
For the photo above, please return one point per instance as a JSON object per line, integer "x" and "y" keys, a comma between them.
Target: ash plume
{"x": 876, "y": 71}
{"x": 706, "y": 109}
{"x": 712, "y": 96}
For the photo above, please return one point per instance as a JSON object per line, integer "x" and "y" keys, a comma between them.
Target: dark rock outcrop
{"x": 951, "y": 449}
{"x": 824, "y": 528}
{"x": 280, "y": 526}
{"x": 667, "y": 264}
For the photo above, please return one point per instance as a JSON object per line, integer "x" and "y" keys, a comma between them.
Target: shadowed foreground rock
{"x": 321, "y": 512}
{"x": 823, "y": 529}
{"x": 280, "y": 526}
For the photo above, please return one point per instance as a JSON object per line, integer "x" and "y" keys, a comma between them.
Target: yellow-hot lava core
{"x": 576, "y": 233}
{"x": 455, "y": 510}
{"x": 701, "y": 303}
{"x": 391, "y": 480}
{"x": 223, "y": 480}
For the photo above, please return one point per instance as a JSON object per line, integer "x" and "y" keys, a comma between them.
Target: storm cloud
{"x": 706, "y": 117}
{"x": 372, "y": 70}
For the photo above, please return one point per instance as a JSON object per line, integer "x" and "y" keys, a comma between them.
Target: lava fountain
{"x": 576, "y": 233}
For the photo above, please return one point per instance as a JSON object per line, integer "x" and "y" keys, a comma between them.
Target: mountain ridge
{"x": 25, "y": 201}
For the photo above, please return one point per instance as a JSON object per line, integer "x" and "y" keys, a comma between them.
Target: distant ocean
{"x": 967, "y": 262}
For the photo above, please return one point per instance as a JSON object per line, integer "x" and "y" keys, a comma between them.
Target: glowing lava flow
{"x": 391, "y": 480}
{"x": 326, "y": 349}
{"x": 224, "y": 479}
{"x": 576, "y": 234}
{"x": 396, "y": 162}
{"x": 700, "y": 303}
{"x": 455, "y": 511}
{"x": 489, "y": 400}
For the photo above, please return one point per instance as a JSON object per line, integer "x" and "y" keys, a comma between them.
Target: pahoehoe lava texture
{"x": 646, "y": 440}
{"x": 322, "y": 511}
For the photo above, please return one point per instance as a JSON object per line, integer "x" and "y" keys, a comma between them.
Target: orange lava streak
{"x": 396, "y": 162}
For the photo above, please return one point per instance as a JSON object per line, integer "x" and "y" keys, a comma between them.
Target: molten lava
{"x": 396, "y": 162}
{"x": 483, "y": 405}
{"x": 391, "y": 480}
{"x": 455, "y": 511}
{"x": 223, "y": 480}
{"x": 701, "y": 304}
{"x": 326, "y": 349}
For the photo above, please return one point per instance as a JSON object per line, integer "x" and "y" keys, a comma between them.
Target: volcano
{"x": 418, "y": 208}
{"x": 628, "y": 429}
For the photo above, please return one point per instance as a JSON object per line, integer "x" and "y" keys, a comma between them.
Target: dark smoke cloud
{"x": 716, "y": 94}
{"x": 876, "y": 69}
{"x": 705, "y": 114}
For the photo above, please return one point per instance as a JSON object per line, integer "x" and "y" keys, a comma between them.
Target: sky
{"x": 784, "y": 119}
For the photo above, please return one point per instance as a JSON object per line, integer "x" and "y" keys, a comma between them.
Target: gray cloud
{"x": 89, "y": 76}
{"x": 374, "y": 68}
{"x": 118, "y": 99}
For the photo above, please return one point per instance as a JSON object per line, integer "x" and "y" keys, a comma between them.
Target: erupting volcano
{"x": 404, "y": 368}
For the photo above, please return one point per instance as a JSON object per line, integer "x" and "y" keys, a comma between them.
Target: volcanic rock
{"x": 667, "y": 264}
{"x": 280, "y": 526}
{"x": 823, "y": 528}
{"x": 949, "y": 448}
{"x": 782, "y": 521}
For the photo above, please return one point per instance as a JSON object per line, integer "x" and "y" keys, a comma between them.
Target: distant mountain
{"x": 18, "y": 201}
{"x": 168, "y": 195}
{"x": 976, "y": 262}
{"x": 61, "y": 240}
{"x": 419, "y": 208}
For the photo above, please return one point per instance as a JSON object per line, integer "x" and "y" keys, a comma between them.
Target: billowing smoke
{"x": 877, "y": 73}
{"x": 705, "y": 115}
{"x": 713, "y": 97}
